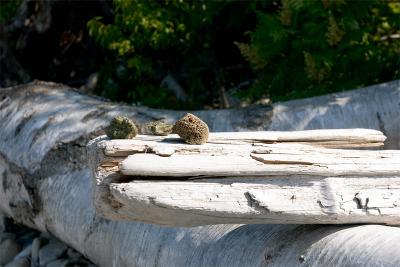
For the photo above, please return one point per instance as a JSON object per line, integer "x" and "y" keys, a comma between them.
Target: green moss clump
{"x": 121, "y": 128}
{"x": 159, "y": 128}
{"x": 191, "y": 129}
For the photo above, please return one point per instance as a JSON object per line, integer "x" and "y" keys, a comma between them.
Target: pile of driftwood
{"x": 46, "y": 183}
{"x": 249, "y": 177}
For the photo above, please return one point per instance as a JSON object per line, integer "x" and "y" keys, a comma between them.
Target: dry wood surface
{"x": 249, "y": 177}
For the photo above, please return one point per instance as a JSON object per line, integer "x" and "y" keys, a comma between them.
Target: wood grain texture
{"x": 46, "y": 183}
{"x": 245, "y": 182}
{"x": 275, "y": 162}
{"x": 283, "y": 200}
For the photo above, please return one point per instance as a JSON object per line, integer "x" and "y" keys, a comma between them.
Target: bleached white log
{"x": 240, "y": 182}
{"x": 275, "y": 162}
{"x": 345, "y": 136}
{"x": 173, "y": 144}
{"x": 334, "y": 138}
{"x": 254, "y": 200}
{"x": 45, "y": 182}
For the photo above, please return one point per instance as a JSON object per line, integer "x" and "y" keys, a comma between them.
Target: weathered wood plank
{"x": 288, "y": 200}
{"x": 257, "y": 165}
{"x": 338, "y": 138}
{"x": 174, "y": 159}
{"x": 232, "y": 180}
{"x": 343, "y": 135}
{"x": 150, "y": 144}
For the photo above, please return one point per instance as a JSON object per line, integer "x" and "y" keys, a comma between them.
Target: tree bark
{"x": 45, "y": 182}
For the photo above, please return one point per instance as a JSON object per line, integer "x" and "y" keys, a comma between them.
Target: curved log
{"x": 45, "y": 182}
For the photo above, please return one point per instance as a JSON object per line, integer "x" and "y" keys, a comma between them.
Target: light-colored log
{"x": 338, "y": 138}
{"x": 287, "y": 200}
{"x": 173, "y": 144}
{"x": 240, "y": 182}
{"x": 276, "y": 163}
{"x": 346, "y": 136}
{"x": 45, "y": 182}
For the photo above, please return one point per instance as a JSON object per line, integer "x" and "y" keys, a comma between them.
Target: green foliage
{"x": 296, "y": 48}
{"x": 152, "y": 39}
{"x": 153, "y": 24}
{"x": 8, "y": 9}
{"x": 314, "y": 47}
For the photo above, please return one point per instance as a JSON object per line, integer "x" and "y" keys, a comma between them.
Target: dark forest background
{"x": 201, "y": 54}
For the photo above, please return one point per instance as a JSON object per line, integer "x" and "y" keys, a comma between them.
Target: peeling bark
{"x": 45, "y": 182}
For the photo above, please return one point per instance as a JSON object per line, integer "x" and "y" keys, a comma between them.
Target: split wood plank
{"x": 335, "y": 138}
{"x": 284, "y": 200}
{"x": 162, "y": 180}
{"x": 275, "y": 162}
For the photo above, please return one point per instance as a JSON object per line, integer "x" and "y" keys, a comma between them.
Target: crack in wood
{"x": 253, "y": 202}
{"x": 362, "y": 203}
{"x": 282, "y": 161}
{"x": 100, "y": 111}
{"x": 154, "y": 202}
{"x": 25, "y": 119}
{"x": 5, "y": 101}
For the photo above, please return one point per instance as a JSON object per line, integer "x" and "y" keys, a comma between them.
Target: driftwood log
{"x": 244, "y": 178}
{"x": 46, "y": 183}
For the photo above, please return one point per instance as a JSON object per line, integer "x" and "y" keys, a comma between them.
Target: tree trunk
{"x": 46, "y": 183}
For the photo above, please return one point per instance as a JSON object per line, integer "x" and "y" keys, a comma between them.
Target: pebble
{"x": 21, "y": 262}
{"x": 8, "y": 250}
{"x": 26, "y": 239}
{"x": 25, "y": 253}
{"x": 24, "y": 247}
{"x": 57, "y": 263}
{"x": 73, "y": 254}
{"x": 51, "y": 252}
{"x": 5, "y": 235}
{"x": 35, "y": 252}
{"x": 45, "y": 235}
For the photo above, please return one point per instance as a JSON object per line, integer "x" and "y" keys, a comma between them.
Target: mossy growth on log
{"x": 121, "y": 128}
{"x": 159, "y": 128}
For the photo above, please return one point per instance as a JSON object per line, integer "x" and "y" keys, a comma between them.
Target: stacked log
{"x": 46, "y": 182}
{"x": 251, "y": 178}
